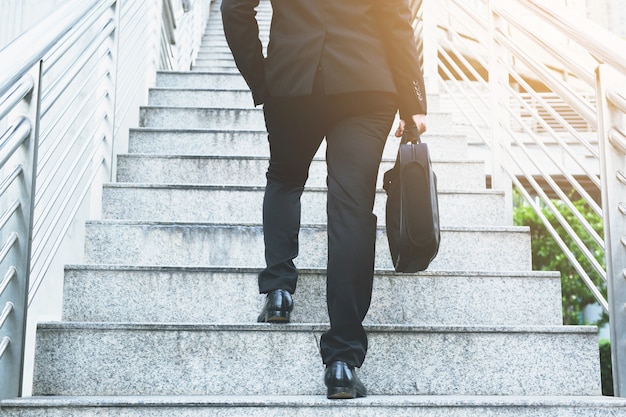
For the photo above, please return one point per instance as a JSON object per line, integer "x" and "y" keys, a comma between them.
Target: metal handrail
{"x": 618, "y": 100}
{"x": 30, "y": 47}
{"x": 13, "y": 138}
{"x": 16, "y": 94}
{"x": 546, "y": 75}
{"x": 566, "y": 59}
{"x": 487, "y": 44}
{"x": 69, "y": 90}
{"x": 585, "y": 32}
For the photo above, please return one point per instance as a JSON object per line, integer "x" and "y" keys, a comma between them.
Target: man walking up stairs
{"x": 317, "y": 84}
{"x": 161, "y": 318}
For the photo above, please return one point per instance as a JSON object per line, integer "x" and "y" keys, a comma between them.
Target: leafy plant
{"x": 605, "y": 367}
{"x": 548, "y": 256}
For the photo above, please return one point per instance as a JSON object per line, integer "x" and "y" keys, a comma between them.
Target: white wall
{"x": 609, "y": 13}
{"x": 16, "y": 16}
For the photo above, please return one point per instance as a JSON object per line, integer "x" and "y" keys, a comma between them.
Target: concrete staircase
{"x": 160, "y": 320}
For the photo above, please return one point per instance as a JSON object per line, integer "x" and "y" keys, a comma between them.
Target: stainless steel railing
{"x": 69, "y": 89}
{"x": 545, "y": 92}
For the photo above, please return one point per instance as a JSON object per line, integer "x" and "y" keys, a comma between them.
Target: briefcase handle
{"x": 411, "y": 134}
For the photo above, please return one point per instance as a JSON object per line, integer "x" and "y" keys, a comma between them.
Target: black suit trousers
{"x": 355, "y": 126}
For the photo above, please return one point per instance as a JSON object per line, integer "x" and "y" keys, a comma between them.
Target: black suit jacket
{"x": 355, "y": 45}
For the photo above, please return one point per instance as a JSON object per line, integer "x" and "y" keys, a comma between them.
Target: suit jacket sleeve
{"x": 242, "y": 34}
{"x": 394, "y": 20}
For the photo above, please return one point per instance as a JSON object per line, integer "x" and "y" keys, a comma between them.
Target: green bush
{"x": 605, "y": 367}
{"x": 548, "y": 256}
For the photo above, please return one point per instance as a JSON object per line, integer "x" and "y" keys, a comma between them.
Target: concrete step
{"x": 204, "y": 53}
{"x": 193, "y": 80}
{"x": 202, "y": 66}
{"x": 224, "y": 60}
{"x": 203, "y": 80}
{"x": 230, "y": 295}
{"x": 221, "y": 47}
{"x": 200, "y": 98}
{"x": 215, "y": 30}
{"x": 208, "y": 53}
{"x": 316, "y": 406}
{"x": 215, "y": 26}
{"x": 239, "y": 119}
{"x": 210, "y": 42}
{"x": 219, "y": 204}
{"x": 254, "y": 143}
{"x": 208, "y": 98}
{"x": 208, "y": 170}
{"x": 214, "y": 359}
{"x": 263, "y": 16}
{"x": 236, "y": 245}
{"x": 216, "y": 38}
{"x": 188, "y": 117}
{"x": 204, "y": 83}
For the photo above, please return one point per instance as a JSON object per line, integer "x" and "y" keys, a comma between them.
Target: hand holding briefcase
{"x": 412, "y": 212}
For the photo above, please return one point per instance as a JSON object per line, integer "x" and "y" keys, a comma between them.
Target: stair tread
{"x": 315, "y": 327}
{"x": 199, "y": 89}
{"x": 213, "y": 187}
{"x": 91, "y": 358}
{"x": 197, "y": 73}
{"x": 313, "y": 400}
{"x": 513, "y": 229}
{"x": 433, "y": 113}
{"x": 265, "y": 158}
{"x": 230, "y": 242}
{"x": 229, "y": 131}
{"x": 446, "y": 297}
{"x": 302, "y": 271}
{"x": 207, "y": 141}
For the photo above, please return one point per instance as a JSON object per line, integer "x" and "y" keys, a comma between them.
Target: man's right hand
{"x": 420, "y": 123}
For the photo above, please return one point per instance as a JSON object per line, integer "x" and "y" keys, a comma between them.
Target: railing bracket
{"x": 4, "y": 344}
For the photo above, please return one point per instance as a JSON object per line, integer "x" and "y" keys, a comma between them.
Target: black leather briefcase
{"x": 412, "y": 211}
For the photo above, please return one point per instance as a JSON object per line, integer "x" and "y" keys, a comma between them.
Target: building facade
{"x": 609, "y": 13}
{"x": 16, "y": 16}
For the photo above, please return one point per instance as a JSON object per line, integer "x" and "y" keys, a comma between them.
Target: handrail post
{"x": 115, "y": 72}
{"x": 17, "y": 260}
{"x": 498, "y": 97}
{"x": 613, "y": 176}
{"x": 430, "y": 42}
{"x": 28, "y": 195}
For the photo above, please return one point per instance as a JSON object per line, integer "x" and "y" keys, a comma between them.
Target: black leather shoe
{"x": 342, "y": 382}
{"x": 278, "y": 307}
